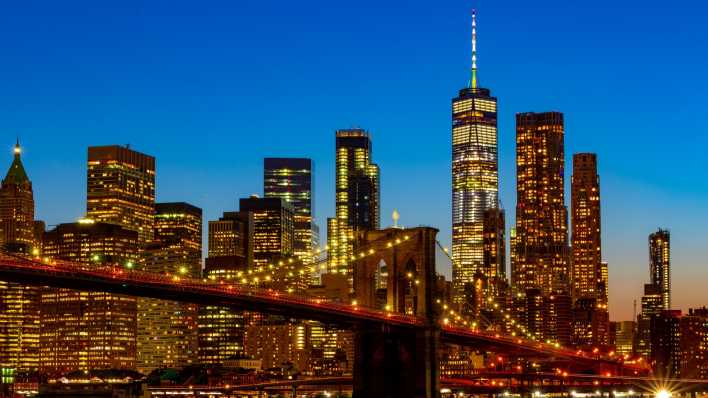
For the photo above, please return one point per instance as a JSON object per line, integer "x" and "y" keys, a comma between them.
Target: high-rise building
{"x": 591, "y": 324}
{"x": 273, "y": 228}
{"x": 494, "y": 261}
{"x": 221, "y": 330}
{"x": 121, "y": 189}
{"x": 541, "y": 215}
{"x": 357, "y": 196}
{"x": 666, "y": 353}
{"x": 292, "y": 180}
{"x": 660, "y": 264}
{"x": 475, "y": 179}
{"x": 167, "y": 330}
{"x": 624, "y": 337}
{"x": 88, "y": 330}
{"x": 694, "y": 344}
{"x": 586, "y": 244}
{"x": 19, "y": 304}
{"x": 652, "y": 306}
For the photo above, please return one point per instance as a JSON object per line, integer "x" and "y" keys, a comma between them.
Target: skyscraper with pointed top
{"x": 19, "y": 304}
{"x": 475, "y": 181}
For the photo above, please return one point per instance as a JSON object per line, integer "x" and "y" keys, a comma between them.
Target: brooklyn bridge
{"x": 397, "y": 347}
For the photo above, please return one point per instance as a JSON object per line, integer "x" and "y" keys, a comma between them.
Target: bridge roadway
{"x": 72, "y": 275}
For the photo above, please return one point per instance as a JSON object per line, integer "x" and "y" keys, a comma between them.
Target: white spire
{"x": 473, "y": 81}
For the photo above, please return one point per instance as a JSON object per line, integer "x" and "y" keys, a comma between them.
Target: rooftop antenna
{"x": 473, "y": 81}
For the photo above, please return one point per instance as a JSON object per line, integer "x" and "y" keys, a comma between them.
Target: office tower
{"x": 494, "y": 255}
{"x": 19, "y": 304}
{"x": 167, "y": 330}
{"x": 475, "y": 180}
{"x": 591, "y": 324}
{"x": 604, "y": 286}
{"x": 694, "y": 344}
{"x": 585, "y": 210}
{"x": 83, "y": 330}
{"x": 357, "y": 196}
{"x": 273, "y": 229}
{"x": 121, "y": 189}
{"x": 292, "y": 180}
{"x": 221, "y": 329}
{"x": 541, "y": 215}
{"x": 624, "y": 337}
{"x": 666, "y": 343}
{"x": 557, "y": 318}
{"x": 660, "y": 264}
{"x": 652, "y": 305}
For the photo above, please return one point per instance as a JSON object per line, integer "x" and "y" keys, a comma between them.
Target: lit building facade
{"x": 19, "y": 304}
{"x": 273, "y": 229}
{"x": 660, "y": 264}
{"x": 666, "y": 352}
{"x": 586, "y": 241}
{"x": 541, "y": 216}
{"x": 292, "y": 180}
{"x": 475, "y": 177}
{"x": 221, "y": 330}
{"x": 694, "y": 344}
{"x": 121, "y": 189}
{"x": 167, "y": 330}
{"x": 652, "y": 305}
{"x": 624, "y": 337}
{"x": 494, "y": 261}
{"x": 84, "y": 330}
{"x": 357, "y": 196}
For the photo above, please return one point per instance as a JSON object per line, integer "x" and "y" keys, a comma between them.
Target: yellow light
{"x": 663, "y": 393}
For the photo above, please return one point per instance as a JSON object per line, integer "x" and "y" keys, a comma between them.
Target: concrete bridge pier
{"x": 396, "y": 364}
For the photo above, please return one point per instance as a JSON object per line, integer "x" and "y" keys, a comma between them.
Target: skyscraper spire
{"x": 473, "y": 80}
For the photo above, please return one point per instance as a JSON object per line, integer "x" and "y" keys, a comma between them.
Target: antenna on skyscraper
{"x": 473, "y": 81}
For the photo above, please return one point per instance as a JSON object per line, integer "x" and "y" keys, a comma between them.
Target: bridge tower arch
{"x": 392, "y": 361}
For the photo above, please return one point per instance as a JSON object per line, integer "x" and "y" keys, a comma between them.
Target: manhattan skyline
{"x": 204, "y": 105}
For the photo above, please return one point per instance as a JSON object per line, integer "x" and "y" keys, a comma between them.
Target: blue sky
{"x": 210, "y": 88}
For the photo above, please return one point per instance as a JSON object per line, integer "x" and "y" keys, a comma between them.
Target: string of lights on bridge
{"x": 290, "y": 267}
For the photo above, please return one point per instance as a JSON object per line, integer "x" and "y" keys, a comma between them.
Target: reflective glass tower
{"x": 660, "y": 264}
{"x": 292, "y": 180}
{"x": 475, "y": 181}
{"x": 357, "y": 196}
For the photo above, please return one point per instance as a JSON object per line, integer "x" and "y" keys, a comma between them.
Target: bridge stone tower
{"x": 393, "y": 362}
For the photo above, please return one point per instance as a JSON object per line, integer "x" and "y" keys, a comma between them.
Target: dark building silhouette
{"x": 666, "y": 343}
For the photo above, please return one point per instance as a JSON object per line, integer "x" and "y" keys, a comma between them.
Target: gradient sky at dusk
{"x": 210, "y": 88}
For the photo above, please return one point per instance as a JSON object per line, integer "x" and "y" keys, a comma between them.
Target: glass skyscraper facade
{"x": 475, "y": 177}
{"x": 660, "y": 264}
{"x": 292, "y": 180}
{"x": 357, "y": 196}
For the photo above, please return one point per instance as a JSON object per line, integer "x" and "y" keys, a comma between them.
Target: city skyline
{"x": 172, "y": 174}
